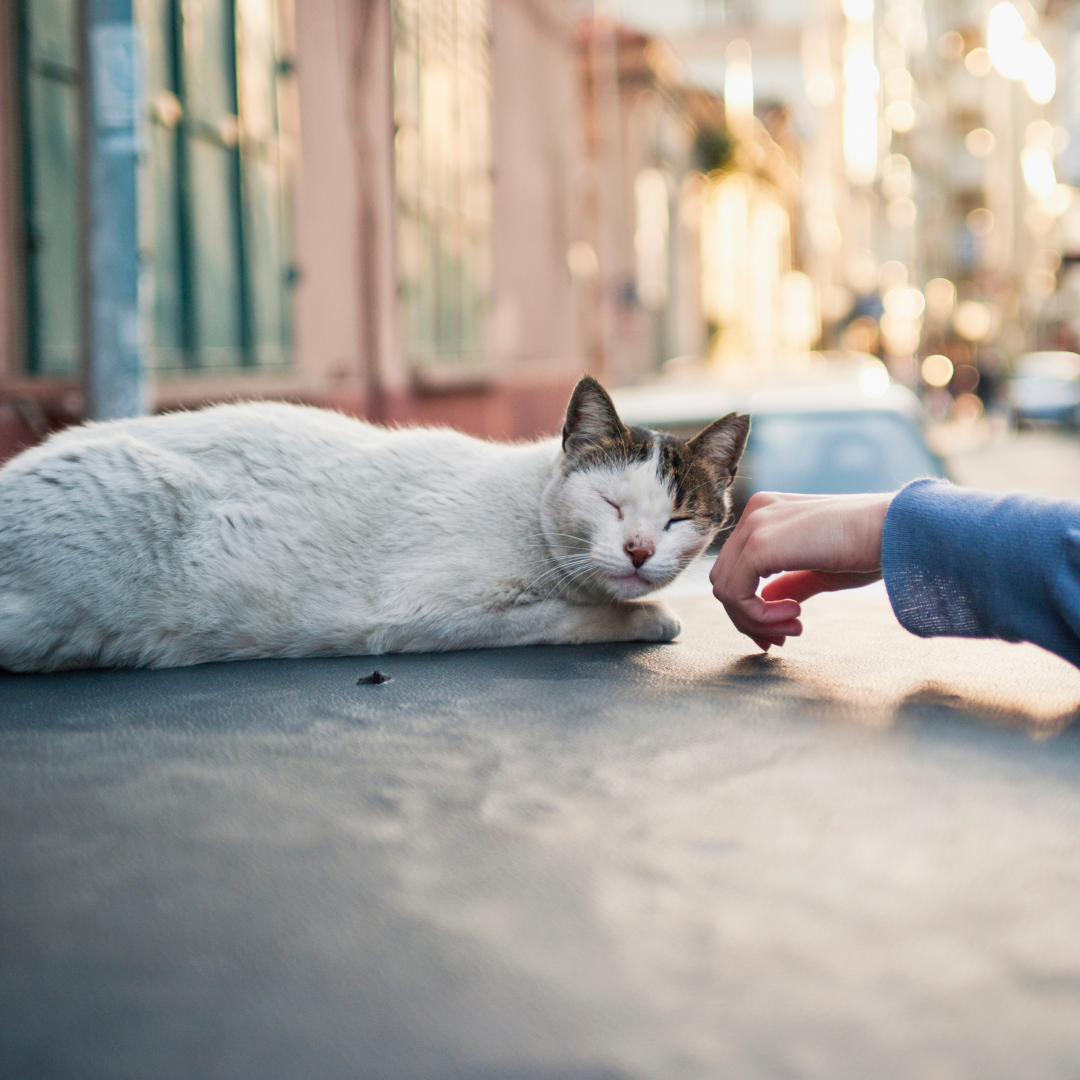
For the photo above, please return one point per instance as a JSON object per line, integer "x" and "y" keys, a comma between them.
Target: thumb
{"x": 798, "y": 585}
{"x": 801, "y": 584}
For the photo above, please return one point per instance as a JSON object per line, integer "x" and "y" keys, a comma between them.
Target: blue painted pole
{"x": 116, "y": 379}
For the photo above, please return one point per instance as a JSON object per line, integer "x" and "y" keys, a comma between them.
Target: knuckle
{"x": 756, "y": 542}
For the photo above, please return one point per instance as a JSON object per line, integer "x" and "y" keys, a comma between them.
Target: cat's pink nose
{"x": 638, "y": 551}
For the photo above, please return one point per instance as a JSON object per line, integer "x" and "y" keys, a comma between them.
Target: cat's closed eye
{"x": 617, "y": 507}
{"x": 675, "y": 521}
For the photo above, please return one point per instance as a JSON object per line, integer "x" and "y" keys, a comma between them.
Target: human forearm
{"x": 966, "y": 563}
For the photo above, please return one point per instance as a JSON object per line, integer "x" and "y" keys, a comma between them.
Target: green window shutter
{"x": 218, "y": 181}
{"x": 264, "y": 93}
{"x": 164, "y": 225}
{"x": 50, "y": 96}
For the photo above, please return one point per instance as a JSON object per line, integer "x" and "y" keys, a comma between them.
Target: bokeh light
{"x": 979, "y": 142}
{"x": 973, "y": 320}
{"x": 967, "y": 408}
{"x": 874, "y": 380}
{"x": 940, "y": 298}
{"x": 950, "y": 45}
{"x": 978, "y": 62}
{"x": 980, "y": 221}
{"x": 937, "y": 370}
{"x": 1018, "y": 54}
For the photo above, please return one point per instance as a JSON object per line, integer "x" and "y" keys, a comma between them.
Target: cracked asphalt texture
{"x": 859, "y": 858}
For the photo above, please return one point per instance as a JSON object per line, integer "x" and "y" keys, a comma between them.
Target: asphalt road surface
{"x": 1045, "y": 461}
{"x": 860, "y": 858}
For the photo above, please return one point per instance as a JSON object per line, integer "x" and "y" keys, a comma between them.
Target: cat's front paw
{"x": 654, "y": 622}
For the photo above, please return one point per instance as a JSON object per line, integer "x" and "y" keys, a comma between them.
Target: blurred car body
{"x": 1045, "y": 388}
{"x": 839, "y": 433}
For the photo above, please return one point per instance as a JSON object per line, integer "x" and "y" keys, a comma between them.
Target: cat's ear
{"x": 591, "y": 419}
{"x": 720, "y": 445}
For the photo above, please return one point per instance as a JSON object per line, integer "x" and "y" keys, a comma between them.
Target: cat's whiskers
{"x": 571, "y": 569}
{"x": 566, "y": 568}
{"x": 574, "y": 569}
{"x": 578, "y": 541}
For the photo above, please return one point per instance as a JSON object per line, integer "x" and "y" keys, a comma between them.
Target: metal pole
{"x": 609, "y": 172}
{"x": 116, "y": 381}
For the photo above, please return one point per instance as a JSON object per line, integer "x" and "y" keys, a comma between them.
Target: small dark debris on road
{"x": 376, "y": 678}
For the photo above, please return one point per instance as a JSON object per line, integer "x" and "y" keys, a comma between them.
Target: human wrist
{"x": 878, "y": 511}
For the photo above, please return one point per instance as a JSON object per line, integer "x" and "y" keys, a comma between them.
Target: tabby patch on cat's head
{"x": 699, "y": 470}
{"x": 645, "y": 503}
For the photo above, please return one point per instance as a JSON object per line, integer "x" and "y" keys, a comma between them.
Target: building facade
{"x": 365, "y": 204}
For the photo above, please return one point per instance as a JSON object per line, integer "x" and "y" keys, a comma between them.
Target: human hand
{"x": 829, "y": 542}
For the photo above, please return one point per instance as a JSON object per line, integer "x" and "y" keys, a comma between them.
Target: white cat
{"x": 265, "y": 530}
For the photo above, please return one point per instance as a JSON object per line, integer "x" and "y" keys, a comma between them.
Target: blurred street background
{"x": 856, "y": 213}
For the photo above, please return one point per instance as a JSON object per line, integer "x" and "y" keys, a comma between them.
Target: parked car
{"x": 842, "y": 432}
{"x": 1045, "y": 388}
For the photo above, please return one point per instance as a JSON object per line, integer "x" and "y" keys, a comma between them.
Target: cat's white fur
{"x": 262, "y": 530}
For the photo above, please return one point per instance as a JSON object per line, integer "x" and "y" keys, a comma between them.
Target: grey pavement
{"x": 1045, "y": 461}
{"x": 858, "y": 859}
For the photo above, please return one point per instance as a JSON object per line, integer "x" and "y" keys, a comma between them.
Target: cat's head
{"x": 630, "y": 508}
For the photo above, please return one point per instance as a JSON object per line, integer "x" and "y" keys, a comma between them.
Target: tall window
{"x": 216, "y": 190}
{"x": 51, "y": 78}
{"x": 442, "y": 110}
{"x": 214, "y": 196}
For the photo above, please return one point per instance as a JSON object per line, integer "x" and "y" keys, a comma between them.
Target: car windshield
{"x": 836, "y": 453}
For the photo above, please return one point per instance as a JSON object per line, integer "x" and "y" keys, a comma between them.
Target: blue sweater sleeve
{"x": 965, "y": 563}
